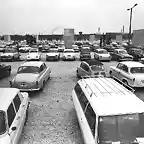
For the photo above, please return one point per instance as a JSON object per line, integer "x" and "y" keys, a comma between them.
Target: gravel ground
{"x": 52, "y": 118}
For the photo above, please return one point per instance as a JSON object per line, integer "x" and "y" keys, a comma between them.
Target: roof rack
{"x": 89, "y": 87}
{"x": 106, "y": 89}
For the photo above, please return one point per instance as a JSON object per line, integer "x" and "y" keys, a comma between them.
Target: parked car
{"x": 110, "y": 48}
{"x": 90, "y": 68}
{"x": 24, "y": 49}
{"x": 75, "y": 48}
{"x": 31, "y": 76}
{"x": 102, "y": 54}
{"x": 33, "y": 54}
{"x": 69, "y": 54}
{"x": 107, "y": 112}
{"x": 129, "y": 72}
{"x": 85, "y": 53}
{"x": 5, "y": 70}
{"x": 13, "y": 114}
{"x": 10, "y": 54}
{"x": 53, "y": 54}
{"x": 121, "y": 55}
{"x": 136, "y": 53}
{"x": 45, "y": 48}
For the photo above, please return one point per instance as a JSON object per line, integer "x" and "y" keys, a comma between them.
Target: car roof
{"x": 33, "y": 63}
{"x": 111, "y": 98}
{"x": 6, "y": 97}
{"x": 93, "y": 62}
{"x": 132, "y": 64}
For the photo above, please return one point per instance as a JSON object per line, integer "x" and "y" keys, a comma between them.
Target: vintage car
{"x": 110, "y": 48}
{"x": 25, "y": 49}
{"x": 14, "y": 107}
{"x": 45, "y": 48}
{"x": 69, "y": 54}
{"x": 10, "y": 54}
{"x": 90, "y": 68}
{"x": 33, "y": 54}
{"x": 31, "y": 76}
{"x": 75, "y": 48}
{"x": 5, "y": 70}
{"x": 121, "y": 55}
{"x": 129, "y": 72}
{"x": 85, "y": 53}
{"x": 136, "y": 53}
{"x": 53, "y": 54}
{"x": 102, "y": 55}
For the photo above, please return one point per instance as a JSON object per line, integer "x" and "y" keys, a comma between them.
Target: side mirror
{"x": 13, "y": 128}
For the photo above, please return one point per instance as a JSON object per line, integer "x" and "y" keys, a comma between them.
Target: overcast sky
{"x": 44, "y": 16}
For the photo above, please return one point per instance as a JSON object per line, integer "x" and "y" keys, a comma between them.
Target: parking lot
{"x": 52, "y": 118}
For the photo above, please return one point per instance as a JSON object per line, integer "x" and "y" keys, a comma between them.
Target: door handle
{"x": 18, "y": 118}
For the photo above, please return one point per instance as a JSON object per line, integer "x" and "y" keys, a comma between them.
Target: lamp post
{"x": 131, "y": 9}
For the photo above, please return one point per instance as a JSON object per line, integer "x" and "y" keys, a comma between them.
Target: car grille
{"x": 23, "y": 84}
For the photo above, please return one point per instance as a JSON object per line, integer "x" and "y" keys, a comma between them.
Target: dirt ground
{"x": 52, "y": 118}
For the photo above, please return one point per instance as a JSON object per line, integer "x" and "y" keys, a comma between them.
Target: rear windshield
{"x": 137, "y": 70}
{"x": 2, "y": 123}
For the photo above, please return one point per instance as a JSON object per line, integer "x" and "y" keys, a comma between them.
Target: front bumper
{"x": 5, "y": 58}
{"x": 32, "y": 59}
{"x": 125, "y": 59}
{"x": 105, "y": 58}
{"x": 29, "y": 90}
{"x": 69, "y": 58}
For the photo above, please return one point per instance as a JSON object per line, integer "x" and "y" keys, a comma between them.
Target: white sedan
{"x": 129, "y": 72}
{"x": 102, "y": 54}
{"x": 69, "y": 54}
{"x": 33, "y": 54}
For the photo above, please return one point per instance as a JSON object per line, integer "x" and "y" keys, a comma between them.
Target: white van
{"x": 13, "y": 114}
{"x": 108, "y": 112}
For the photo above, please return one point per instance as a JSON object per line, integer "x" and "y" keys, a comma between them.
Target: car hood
{"x": 26, "y": 77}
{"x": 66, "y": 54}
{"x": 7, "y": 54}
{"x": 52, "y": 54}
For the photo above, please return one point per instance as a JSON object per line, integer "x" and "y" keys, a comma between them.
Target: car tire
{"x": 110, "y": 74}
{"x": 26, "y": 117}
{"x": 42, "y": 87}
{"x": 125, "y": 82}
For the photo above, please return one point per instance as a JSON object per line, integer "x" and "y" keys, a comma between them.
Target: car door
{"x": 20, "y": 117}
{"x": 2, "y": 71}
{"x": 116, "y": 71}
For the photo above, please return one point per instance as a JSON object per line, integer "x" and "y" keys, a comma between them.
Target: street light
{"x": 131, "y": 20}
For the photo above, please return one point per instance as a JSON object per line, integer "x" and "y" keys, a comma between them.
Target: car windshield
{"x": 68, "y": 51}
{"x": 53, "y": 51}
{"x": 103, "y": 52}
{"x": 122, "y": 127}
{"x": 28, "y": 69}
{"x": 123, "y": 51}
{"x": 2, "y": 123}
{"x": 33, "y": 51}
{"x": 85, "y": 50}
{"x": 137, "y": 70}
{"x": 97, "y": 68}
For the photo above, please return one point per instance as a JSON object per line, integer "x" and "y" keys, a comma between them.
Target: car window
{"x": 11, "y": 114}
{"x": 119, "y": 66}
{"x": 78, "y": 90}
{"x": 41, "y": 68}
{"x": 28, "y": 69}
{"x": 2, "y": 123}
{"x": 91, "y": 118}
{"x": 85, "y": 67}
{"x": 17, "y": 102}
{"x": 44, "y": 66}
{"x": 125, "y": 68}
